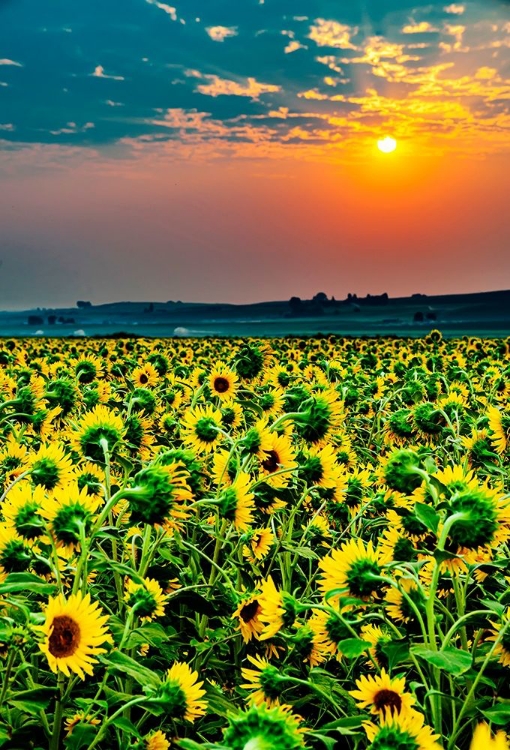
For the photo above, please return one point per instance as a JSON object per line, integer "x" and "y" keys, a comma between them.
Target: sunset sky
{"x": 226, "y": 150}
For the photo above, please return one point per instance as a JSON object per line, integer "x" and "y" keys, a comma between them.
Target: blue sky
{"x": 100, "y": 72}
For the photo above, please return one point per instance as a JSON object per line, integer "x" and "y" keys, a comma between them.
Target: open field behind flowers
{"x": 255, "y": 545}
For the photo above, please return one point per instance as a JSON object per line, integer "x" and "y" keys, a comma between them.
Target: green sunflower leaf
{"x": 27, "y": 582}
{"x": 427, "y": 515}
{"x": 451, "y": 660}
{"x": 499, "y": 714}
{"x": 351, "y": 648}
{"x": 126, "y": 665}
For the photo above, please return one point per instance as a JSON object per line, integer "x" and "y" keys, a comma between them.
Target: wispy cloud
{"x": 215, "y": 86}
{"x": 424, "y": 27}
{"x": 455, "y": 9}
{"x": 220, "y": 33}
{"x": 168, "y": 9}
{"x": 332, "y": 34}
{"x": 6, "y": 61}
{"x": 99, "y": 73}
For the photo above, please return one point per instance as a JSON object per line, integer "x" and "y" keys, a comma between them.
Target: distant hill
{"x": 483, "y": 313}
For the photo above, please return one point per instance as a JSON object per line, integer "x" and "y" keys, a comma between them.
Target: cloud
{"x": 455, "y": 9}
{"x": 168, "y": 9}
{"x": 7, "y": 126}
{"x": 220, "y": 33}
{"x": 332, "y": 34}
{"x": 418, "y": 28}
{"x": 216, "y": 86}
{"x": 99, "y": 73}
{"x": 6, "y": 61}
{"x": 71, "y": 128}
{"x": 111, "y": 103}
{"x": 292, "y": 46}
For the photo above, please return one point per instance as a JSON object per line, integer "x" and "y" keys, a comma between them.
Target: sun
{"x": 387, "y": 144}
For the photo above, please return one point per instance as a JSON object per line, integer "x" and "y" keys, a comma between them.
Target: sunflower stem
{"x": 57, "y": 717}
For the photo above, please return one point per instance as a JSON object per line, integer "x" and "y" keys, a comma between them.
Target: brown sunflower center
{"x": 143, "y": 379}
{"x": 272, "y": 461}
{"x": 221, "y": 385}
{"x": 249, "y": 611}
{"x": 388, "y": 699}
{"x": 65, "y": 637}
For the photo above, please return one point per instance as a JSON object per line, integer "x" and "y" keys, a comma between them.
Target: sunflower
{"x": 258, "y": 440}
{"x": 147, "y": 599}
{"x": 50, "y": 467}
{"x": 138, "y": 437}
{"x": 225, "y": 467}
{"x": 278, "y": 609}
{"x": 180, "y": 694}
{"x": 80, "y": 718}
{"x": 483, "y": 739}
{"x": 280, "y": 457}
{"x": 262, "y": 726}
{"x": 70, "y": 513}
{"x": 272, "y": 402}
{"x": 319, "y": 467}
{"x": 456, "y": 478}
{"x": 91, "y": 477}
{"x": 236, "y": 502}
{"x": 499, "y": 425}
{"x": 261, "y": 541}
{"x": 201, "y": 428}
{"x": 352, "y": 568}
{"x": 160, "y": 494}
{"x": 378, "y": 639}
{"x": 15, "y": 554}
{"x": 318, "y": 531}
{"x": 484, "y": 518}
{"x": 397, "y": 546}
{"x": 99, "y": 430}
{"x": 88, "y": 368}
{"x": 405, "y": 731}
{"x": 156, "y": 741}
{"x": 329, "y": 629}
{"x": 247, "y": 613}
{"x": 264, "y": 681}
{"x": 74, "y": 630}
{"x": 231, "y": 415}
{"x": 383, "y": 694}
{"x": 503, "y": 648}
{"x": 353, "y": 487}
{"x": 14, "y": 460}
{"x": 145, "y": 376}
{"x": 223, "y": 382}
{"x": 319, "y": 417}
{"x": 397, "y": 600}
{"x": 21, "y": 510}
{"x": 479, "y": 448}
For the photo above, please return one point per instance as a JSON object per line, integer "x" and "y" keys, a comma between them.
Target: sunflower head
{"x": 70, "y": 512}
{"x": 159, "y": 493}
{"x": 263, "y": 728}
{"x": 400, "y": 471}
{"x": 146, "y": 598}
{"x": 100, "y": 431}
{"x": 15, "y": 554}
{"x": 74, "y": 632}
{"x": 479, "y": 522}
{"x": 405, "y": 731}
{"x": 180, "y": 694}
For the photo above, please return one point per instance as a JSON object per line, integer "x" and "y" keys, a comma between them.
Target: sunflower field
{"x": 255, "y": 544}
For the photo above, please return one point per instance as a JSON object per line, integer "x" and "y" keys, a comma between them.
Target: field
{"x": 247, "y": 544}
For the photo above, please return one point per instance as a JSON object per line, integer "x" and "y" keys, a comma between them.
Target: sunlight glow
{"x": 387, "y": 145}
